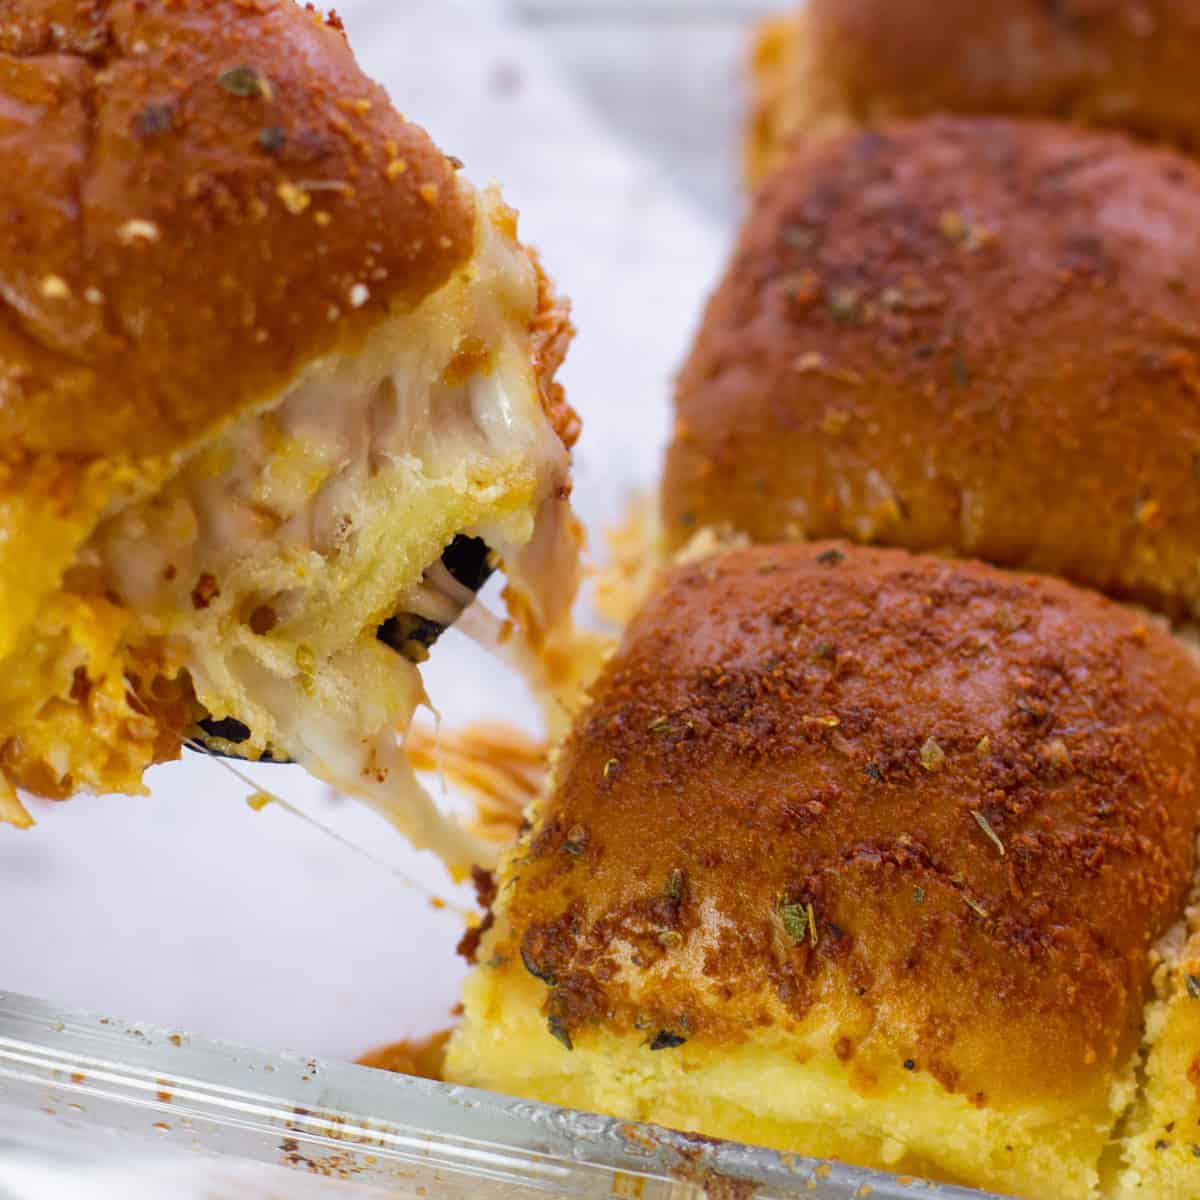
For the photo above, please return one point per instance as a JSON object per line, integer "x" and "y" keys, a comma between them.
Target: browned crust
{"x": 861, "y": 731}
{"x": 550, "y": 338}
{"x": 1129, "y": 64}
{"x": 975, "y": 336}
{"x": 179, "y": 240}
{"x": 422, "y": 1057}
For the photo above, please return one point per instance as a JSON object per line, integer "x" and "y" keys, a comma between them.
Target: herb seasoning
{"x": 244, "y": 81}
{"x": 844, "y": 304}
{"x": 798, "y": 236}
{"x": 666, "y": 728}
{"x": 271, "y": 139}
{"x": 577, "y": 839}
{"x": 664, "y": 1039}
{"x": 932, "y": 755}
{"x": 1193, "y": 986}
{"x": 559, "y": 1031}
{"x": 156, "y": 118}
{"x": 540, "y": 973}
{"x": 829, "y": 722}
{"x": 795, "y": 921}
{"x": 986, "y": 826}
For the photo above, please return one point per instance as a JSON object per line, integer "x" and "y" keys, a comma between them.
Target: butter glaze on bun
{"x": 1128, "y": 64}
{"x": 969, "y": 336}
{"x": 264, "y": 355}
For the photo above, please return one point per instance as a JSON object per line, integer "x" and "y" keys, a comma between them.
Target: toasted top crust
{"x": 199, "y": 197}
{"x": 975, "y": 336}
{"x": 192, "y": 192}
{"x": 1127, "y": 63}
{"x": 922, "y": 812}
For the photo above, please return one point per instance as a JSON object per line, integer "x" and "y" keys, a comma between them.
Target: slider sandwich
{"x": 276, "y": 394}
{"x": 969, "y": 336}
{"x": 866, "y": 855}
{"x": 834, "y": 64}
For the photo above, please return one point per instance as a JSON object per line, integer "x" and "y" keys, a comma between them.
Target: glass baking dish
{"x": 92, "y": 1106}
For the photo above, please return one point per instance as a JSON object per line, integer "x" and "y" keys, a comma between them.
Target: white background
{"x": 613, "y": 129}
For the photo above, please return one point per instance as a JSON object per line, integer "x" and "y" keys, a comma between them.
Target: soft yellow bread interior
{"x": 787, "y": 1091}
{"x": 1160, "y": 1149}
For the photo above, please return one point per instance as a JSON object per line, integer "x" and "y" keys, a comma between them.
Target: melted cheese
{"x": 276, "y": 553}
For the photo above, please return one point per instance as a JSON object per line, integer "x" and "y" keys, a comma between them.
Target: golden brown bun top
{"x": 930, "y": 812}
{"x": 199, "y": 196}
{"x": 977, "y": 336}
{"x": 1129, "y": 63}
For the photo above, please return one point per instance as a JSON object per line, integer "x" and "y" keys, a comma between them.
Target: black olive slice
{"x": 467, "y": 559}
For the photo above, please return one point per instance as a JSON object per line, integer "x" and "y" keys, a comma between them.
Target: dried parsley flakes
{"x": 932, "y": 755}
{"x": 271, "y": 139}
{"x": 794, "y": 918}
{"x": 156, "y": 118}
{"x": 244, "y": 81}
{"x": 844, "y": 304}
{"x": 1034, "y": 709}
{"x": 664, "y": 1039}
{"x": 559, "y": 1031}
{"x": 986, "y": 826}
{"x": 542, "y": 973}
{"x": 577, "y": 840}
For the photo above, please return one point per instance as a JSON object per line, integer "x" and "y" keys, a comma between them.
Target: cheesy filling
{"x": 275, "y": 554}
